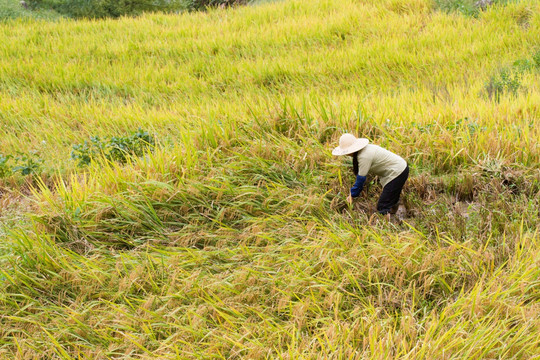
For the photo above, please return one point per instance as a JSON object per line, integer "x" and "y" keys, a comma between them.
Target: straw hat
{"x": 348, "y": 144}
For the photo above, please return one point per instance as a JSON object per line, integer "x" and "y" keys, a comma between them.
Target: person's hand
{"x": 349, "y": 199}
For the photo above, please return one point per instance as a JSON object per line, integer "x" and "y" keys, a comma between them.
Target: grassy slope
{"x": 233, "y": 239}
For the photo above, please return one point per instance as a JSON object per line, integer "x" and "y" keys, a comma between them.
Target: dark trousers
{"x": 390, "y": 193}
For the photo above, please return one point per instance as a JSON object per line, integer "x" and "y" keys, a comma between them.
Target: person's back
{"x": 381, "y": 162}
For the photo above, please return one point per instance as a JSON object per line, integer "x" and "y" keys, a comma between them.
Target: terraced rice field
{"x": 231, "y": 237}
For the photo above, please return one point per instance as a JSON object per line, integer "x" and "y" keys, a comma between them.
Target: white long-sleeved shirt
{"x": 381, "y": 162}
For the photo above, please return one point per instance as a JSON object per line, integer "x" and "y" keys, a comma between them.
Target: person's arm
{"x": 364, "y": 164}
{"x": 358, "y": 186}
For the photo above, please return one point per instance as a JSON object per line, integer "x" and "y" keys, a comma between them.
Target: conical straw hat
{"x": 348, "y": 144}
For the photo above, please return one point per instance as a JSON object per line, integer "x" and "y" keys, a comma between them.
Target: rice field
{"x": 231, "y": 237}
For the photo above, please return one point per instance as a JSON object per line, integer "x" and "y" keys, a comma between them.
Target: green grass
{"x": 233, "y": 239}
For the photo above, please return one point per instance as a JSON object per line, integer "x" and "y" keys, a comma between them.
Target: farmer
{"x": 392, "y": 170}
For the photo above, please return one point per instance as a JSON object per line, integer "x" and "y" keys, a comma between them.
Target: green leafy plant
{"x": 506, "y": 81}
{"x": 466, "y": 7}
{"x": 23, "y": 163}
{"x": 524, "y": 65}
{"x": 536, "y": 59}
{"x": 28, "y": 164}
{"x": 203, "y": 4}
{"x": 117, "y": 148}
{"x": 5, "y": 168}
